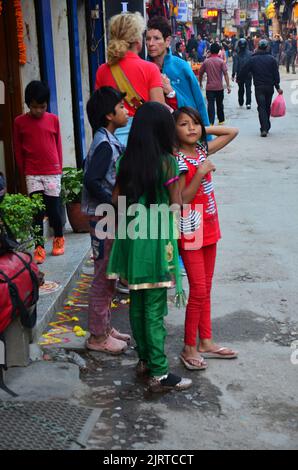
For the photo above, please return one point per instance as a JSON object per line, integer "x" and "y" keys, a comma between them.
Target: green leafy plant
{"x": 18, "y": 212}
{"x": 71, "y": 185}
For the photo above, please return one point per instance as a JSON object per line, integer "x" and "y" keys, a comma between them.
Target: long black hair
{"x": 151, "y": 137}
{"x": 195, "y": 116}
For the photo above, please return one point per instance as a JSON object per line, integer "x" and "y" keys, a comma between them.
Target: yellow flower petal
{"x": 81, "y": 333}
{"x": 76, "y": 329}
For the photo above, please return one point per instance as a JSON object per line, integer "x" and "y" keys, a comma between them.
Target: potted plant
{"x": 17, "y": 212}
{"x": 71, "y": 193}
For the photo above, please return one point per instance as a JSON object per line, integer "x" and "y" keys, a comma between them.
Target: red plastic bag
{"x": 278, "y": 107}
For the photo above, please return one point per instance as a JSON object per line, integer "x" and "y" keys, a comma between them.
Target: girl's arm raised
{"x": 224, "y": 135}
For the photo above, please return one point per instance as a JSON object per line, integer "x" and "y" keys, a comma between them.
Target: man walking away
{"x": 264, "y": 70}
{"x": 291, "y": 52}
{"x": 243, "y": 55}
{"x": 215, "y": 68}
{"x": 275, "y": 48}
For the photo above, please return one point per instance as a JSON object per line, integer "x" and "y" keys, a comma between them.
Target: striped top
{"x": 202, "y": 214}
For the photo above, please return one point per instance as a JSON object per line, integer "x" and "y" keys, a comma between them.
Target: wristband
{"x": 172, "y": 94}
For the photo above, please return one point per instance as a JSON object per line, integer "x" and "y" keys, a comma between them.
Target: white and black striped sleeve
{"x": 183, "y": 168}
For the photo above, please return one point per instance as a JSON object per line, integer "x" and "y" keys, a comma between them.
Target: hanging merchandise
{"x": 20, "y": 31}
{"x": 270, "y": 11}
{"x": 295, "y": 11}
{"x": 174, "y": 14}
{"x": 159, "y": 8}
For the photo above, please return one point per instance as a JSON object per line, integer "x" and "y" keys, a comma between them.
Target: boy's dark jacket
{"x": 107, "y": 183}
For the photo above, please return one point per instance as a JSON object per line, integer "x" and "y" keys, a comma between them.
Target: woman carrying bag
{"x": 126, "y": 71}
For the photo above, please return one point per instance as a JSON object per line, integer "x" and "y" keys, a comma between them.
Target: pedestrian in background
{"x": 201, "y": 48}
{"x": 291, "y": 52}
{"x": 264, "y": 70}
{"x": 179, "y": 51}
{"x": 240, "y": 59}
{"x": 38, "y": 152}
{"x": 216, "y": 69}
{"x": 106, "y": 113}
{"x": 191, "y": 44}
{"x": 276, "y": 48}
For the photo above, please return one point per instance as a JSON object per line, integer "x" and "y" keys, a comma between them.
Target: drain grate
{"x": 45, "y": 425}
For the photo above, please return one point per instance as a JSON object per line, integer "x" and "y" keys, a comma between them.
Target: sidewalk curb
{"x": 77, "y": 250}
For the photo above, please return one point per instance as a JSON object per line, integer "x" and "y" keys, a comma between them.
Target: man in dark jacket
{"x": 192, "y": 44}
{"x": 291, "y": 52}
{"x": 264, "y": 70}
{"x": 241, "y": 58}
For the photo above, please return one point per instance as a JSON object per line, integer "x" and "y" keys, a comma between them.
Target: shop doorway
{"x": 11, "y": 89}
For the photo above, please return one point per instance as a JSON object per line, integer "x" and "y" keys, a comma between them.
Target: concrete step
{"x": 63, "y": 270}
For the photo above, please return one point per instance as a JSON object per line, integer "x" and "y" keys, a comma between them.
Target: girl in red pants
{"x": 200, "y": 231}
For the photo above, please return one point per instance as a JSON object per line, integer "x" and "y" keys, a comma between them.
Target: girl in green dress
{"x": 145, "y": 250}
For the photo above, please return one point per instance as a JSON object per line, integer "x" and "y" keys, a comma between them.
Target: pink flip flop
{"x": 110, "y": 345}
{"x": 190, "y": 363}
{"x": 219, "y": 354}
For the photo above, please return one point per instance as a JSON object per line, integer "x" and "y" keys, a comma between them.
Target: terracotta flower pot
{"x": 79, "y": 222}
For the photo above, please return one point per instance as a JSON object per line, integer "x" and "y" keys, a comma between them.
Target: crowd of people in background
{"x": 282, "y": 47}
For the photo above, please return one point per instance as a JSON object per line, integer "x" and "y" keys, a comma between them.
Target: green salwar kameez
{"x": 150, "y": 264}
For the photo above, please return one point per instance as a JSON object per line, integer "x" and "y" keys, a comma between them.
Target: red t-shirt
{"x": 142, "y": 75}
{"x": 204, "y": 196}
{"x": 37, "y": 144}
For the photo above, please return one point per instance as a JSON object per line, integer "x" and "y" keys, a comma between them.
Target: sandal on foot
{"x": 110, "y": 345}
{"x": 168, "y": 382}
{"x": 219, "y": 354}
{"x": 193, "y": 363}
{"x": 122, "y": 336}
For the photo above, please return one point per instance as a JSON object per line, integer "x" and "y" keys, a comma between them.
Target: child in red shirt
{"x": 200, "y": 231}
{"x": 38, "y": 153}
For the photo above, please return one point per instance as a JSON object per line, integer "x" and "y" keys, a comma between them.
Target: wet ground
{"x": 247, "y": 403}
{"x": 251, "y": 402}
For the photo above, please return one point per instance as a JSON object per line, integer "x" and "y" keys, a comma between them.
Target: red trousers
{"x": 199, "y": 265}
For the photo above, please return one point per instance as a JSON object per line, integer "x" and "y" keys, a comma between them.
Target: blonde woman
{"x": 125, "y": 43}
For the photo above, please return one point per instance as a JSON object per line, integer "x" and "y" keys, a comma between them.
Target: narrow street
{"x": 251, "y": 402}
{"x": 247, "y": 403}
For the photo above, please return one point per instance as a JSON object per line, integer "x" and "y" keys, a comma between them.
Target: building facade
{"x": 62, "y": 43}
